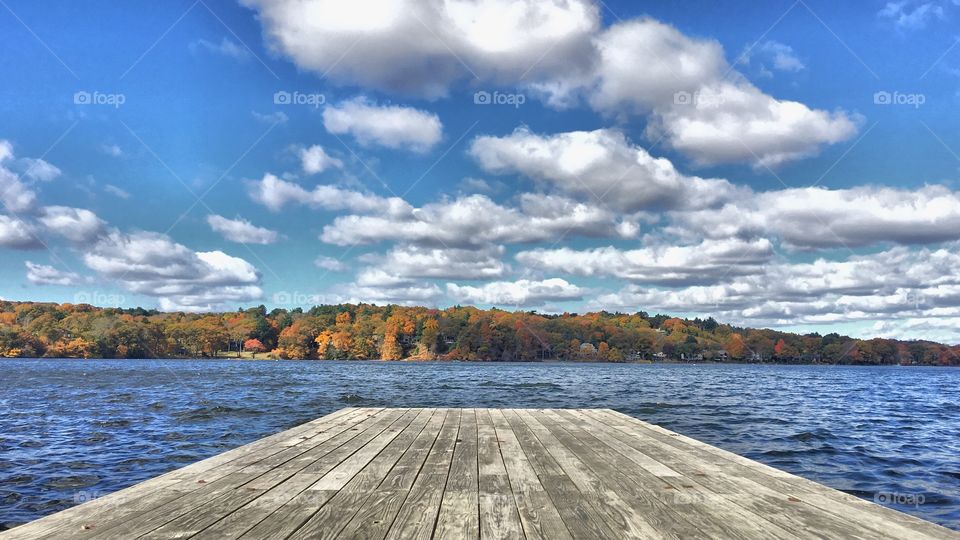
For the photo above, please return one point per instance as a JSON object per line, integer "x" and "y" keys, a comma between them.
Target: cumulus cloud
{"x": 771, "y": 55}
{"x": 390, "y": 126}
{"x": 18, "y": 234}
{"x": 891, "y": 284}
{"x": 476, "y": 220}
{"x": 240, "y": 230}
{"x": 600, "y": 165}
{"x": 75, "y": 224}
{"x": 411, "y": 261}
{"x": 421, "y": 47}
{"x": 331, "y": 264}
{"x": 14, "y": 194}
{"x": 520, "y": 293}
{"x": 153, "y": 264}
{"x": 726, "y": 122}
{"x": 412, "y": 294}
{"x": 816, "y": 217}
{"x": 41, "y": 274}
{"x": 316, "y": 160}
{"x": 912, "y": 15}
{"x": 707, "y": 262}
{"x": 275, "y": 193}
{"x": 39, "y": 170}
{"x": 558, "y": 50}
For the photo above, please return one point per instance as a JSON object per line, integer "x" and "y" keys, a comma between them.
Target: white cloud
{"x": 670, "y": 62}
{"x": 39, "y": 170}
{"x": 890, "y": 285}
{"x": 225, "y": 47}
{"x": 772, "y": 54}
{"x": 476, "y": 220}
{"x": 727, "y": 122}
{"x": 116, "y": 191}
{"x": 557, "y": 49}
{"x": 414, "y": 294}
{"x": 275, "y": 193}
{"x": 241, "y": 230}
{"x": 421, "y": 47}
{"x": 707, "y": 262}
{"x": 112, "y": 150}
{"x": 391, "y": 126}
{"x": 75, "y": 224}
{"x": 331, "y": 264}
{"x": 152, "y": 264}
{"x": 912, "y": 15}
{"x": 599, "y": 165}
{"x": 520, "y": 293}
{"x": 41, "y": 274}
{"x": 17, "y": 234}
{"x": 14, "y": 194}
{"x": 817, "y": 217}
{"x": 410, "y": 261}
{"x": 316, "y": 160}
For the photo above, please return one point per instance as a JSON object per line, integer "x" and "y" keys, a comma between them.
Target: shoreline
{"x": 498, "y": 362}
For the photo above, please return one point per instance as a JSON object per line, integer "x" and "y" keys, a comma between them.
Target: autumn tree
{"x": 254, "y": 346}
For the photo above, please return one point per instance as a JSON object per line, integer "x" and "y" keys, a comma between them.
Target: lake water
{"x": 71, "y": 430}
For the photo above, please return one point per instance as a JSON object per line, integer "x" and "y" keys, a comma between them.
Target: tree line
{"x": 362, "y": 332}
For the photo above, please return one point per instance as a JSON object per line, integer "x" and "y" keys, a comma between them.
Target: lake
{"x": 72, "y": 430}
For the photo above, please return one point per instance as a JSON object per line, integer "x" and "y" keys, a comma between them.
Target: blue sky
{"x": 172, "y": 174}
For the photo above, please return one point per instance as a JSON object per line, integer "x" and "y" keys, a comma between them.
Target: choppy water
{"x": 75, "y": 429}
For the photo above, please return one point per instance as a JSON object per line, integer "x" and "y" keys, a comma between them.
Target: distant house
{"x": 721, "y": 356}
{"x": 756, "y": 357}
{"x": 691, "y": 357}
{"x": 659, "y": 356}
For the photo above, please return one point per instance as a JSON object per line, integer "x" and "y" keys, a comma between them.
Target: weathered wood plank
{"x": 418, "y": 514}
{"x": 538, "y": 515}
{"x": 478, "y": 473}
{"x": 863, "y": 519}
{"x": 577, "y": 504}
{"x": 197, "y": 510}
{"x": 374, "y": 519}
{"x": 499, "y": 517}
{"x": 367, "y": 468}
{"x": 706, "y": 483}
{"x": 672, "y": 510}
{"x": 460, "y": 508}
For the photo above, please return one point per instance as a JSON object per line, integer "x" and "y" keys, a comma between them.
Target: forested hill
{"x": 363, "y": 331}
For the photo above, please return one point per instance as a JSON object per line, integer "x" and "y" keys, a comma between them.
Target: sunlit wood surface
{"x": 466, "y": 473}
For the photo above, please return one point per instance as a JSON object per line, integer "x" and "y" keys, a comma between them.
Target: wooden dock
{"x": 467, "y": 473}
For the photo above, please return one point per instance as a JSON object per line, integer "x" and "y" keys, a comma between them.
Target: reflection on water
{"x": 72, "y": 430}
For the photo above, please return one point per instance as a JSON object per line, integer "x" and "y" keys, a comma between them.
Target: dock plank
{"x": 375, "y": 473}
